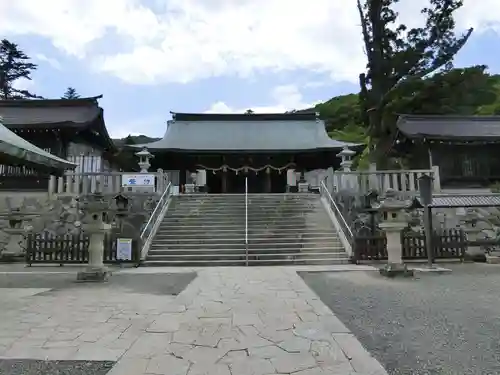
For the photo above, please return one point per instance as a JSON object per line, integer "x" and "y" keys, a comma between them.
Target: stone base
{"x": 396, "y": 270}
{"x": 93, "y": 275}
{"x": 493, "y": 259}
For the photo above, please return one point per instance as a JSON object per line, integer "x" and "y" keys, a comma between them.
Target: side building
{"x": 71, "y": 129}
{"x": 465, "y": 148}
{"x": 226, "y": 148}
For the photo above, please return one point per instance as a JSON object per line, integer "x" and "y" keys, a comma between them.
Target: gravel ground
{"x": 434, "y": 324}
{"x": 159, "y": 284}
{"x": 34, "y": 367}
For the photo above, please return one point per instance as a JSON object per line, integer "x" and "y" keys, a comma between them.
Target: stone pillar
{"x": 96, "y": 228}
{"x": 394, "y": 221}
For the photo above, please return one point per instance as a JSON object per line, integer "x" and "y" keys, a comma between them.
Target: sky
{"x": 150, "y": 57}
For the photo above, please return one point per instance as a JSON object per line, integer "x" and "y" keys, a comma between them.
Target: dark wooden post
{"x": 268, "y": 180}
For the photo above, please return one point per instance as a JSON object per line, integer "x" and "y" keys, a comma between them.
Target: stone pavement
{"x": 228, "y": 321}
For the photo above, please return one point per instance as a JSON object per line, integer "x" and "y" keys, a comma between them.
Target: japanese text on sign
{"x": 138, "y": 180}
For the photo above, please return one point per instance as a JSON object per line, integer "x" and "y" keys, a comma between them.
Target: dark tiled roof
{"x": 83, "y": 114}
{"x": 450, "y": 127}
{"x": 293, "y": 116}
{"x": 212, "y": 134}
{"x": 486, "y": 200}
{"x": 26, "y": 113}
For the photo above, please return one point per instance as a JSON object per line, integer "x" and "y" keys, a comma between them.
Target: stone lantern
{"x": 393, "y": 222}
{"x": 144, "y": 157}
{"x": 95, "y": 208}
{"x": 346, "y": 156}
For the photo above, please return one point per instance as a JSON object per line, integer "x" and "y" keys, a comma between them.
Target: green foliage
{"x": 398, "y": 58}
{"x": 465, "y": 91}
{"x": 14, "y": 65}
{"x": 70, "y": 94}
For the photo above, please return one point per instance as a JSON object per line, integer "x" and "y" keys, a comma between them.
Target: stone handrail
{"x": 400, "y": 180}
{"x": 75, "y": 183}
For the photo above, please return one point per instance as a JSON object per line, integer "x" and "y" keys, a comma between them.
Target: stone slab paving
{"x": 228, "y": 321}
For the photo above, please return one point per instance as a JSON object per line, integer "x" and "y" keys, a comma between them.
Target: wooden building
{"x": 70, "y": 129}
{"x": 466, "y": 148}
{"x": 226, "y": 148}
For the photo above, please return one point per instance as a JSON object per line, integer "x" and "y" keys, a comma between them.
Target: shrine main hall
{"x": 270, "y": 150}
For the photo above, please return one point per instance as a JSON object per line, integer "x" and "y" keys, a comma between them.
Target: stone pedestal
{"x": 395, "y": 266}
{"x": 189, "y": 189}
{"x": 303, "y": 187}
{"x": 96, "y": 208}
{"x": 95, "y": 270}
{"x": 393, "y": 223}
{"x": 17, "y": 229}
{"x": 14, "y": 247}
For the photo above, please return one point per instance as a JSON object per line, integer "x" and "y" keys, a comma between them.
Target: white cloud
{"x": 24, "y": 84}
{"x": 283, "y": 98}
{"x": 49, "y": 60}
{"x": 195, "y": 39}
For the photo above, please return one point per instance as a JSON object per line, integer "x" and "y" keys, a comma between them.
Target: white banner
{"x": 124, "y": 249}
{"x": 138, "y": 180}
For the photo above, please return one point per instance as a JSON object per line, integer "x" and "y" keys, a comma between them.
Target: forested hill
{"x": 469, "y": 91}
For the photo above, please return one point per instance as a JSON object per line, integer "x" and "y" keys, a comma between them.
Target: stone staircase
{"x": 209, "y": 230}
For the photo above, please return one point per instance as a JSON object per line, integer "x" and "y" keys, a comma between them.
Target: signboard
{"x": 139, "y": 180}
{"x": 124, "y": 249}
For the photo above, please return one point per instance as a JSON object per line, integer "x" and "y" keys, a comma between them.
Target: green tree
{"x": 70, "y": 94}
{"x": 249, "y": 112}
{"x": 129, "y": 140}
{"x": 14, "y": 65}
{"x": 467, "y": 91}
{"x": 398, "y": 56}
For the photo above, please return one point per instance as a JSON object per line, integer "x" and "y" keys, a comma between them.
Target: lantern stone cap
{"x": 346, "y": 152}
{"x": 144, "y": 152}
{"x": 392, "y": 201}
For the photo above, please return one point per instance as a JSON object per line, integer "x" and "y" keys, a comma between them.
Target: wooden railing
{"x": 400, "y": 180}
{"x": 103, "y": 182}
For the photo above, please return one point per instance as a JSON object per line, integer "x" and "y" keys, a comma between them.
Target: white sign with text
{"x": 138, "y": 180}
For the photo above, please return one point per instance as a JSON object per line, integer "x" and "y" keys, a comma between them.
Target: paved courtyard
{"x": 228, "y": 321}
{"x": 434, "y": 325}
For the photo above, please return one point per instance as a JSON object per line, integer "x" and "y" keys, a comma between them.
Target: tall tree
{"x": 14, "y": 65}
{"x": 398, "y": 56}
{"x": 70, "y": 94}
{"x": 249, "y": 112}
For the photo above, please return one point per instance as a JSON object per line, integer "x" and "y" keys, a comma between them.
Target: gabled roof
{"x": 79, "y": 114}
{"x": 245, "y": 132}
{"x": 450, "y": 127}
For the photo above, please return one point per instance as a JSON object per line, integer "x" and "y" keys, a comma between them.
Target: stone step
{"x": 237, "y": 231}
{"x": 296, "y": 221}
{"x": 209, "y": 230}
{"x": 252, "y": 245}
{"x": 299, "y": 225}
{"x": 197, "y": 212}
{"x": 252, "y": 239}
{"x": 242, "y": 255}
{"x": 243, "y": 262}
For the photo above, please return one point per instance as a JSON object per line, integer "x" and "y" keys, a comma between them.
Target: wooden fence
{"x": 447, "y": 244}
{"x": 46, "y": 248}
